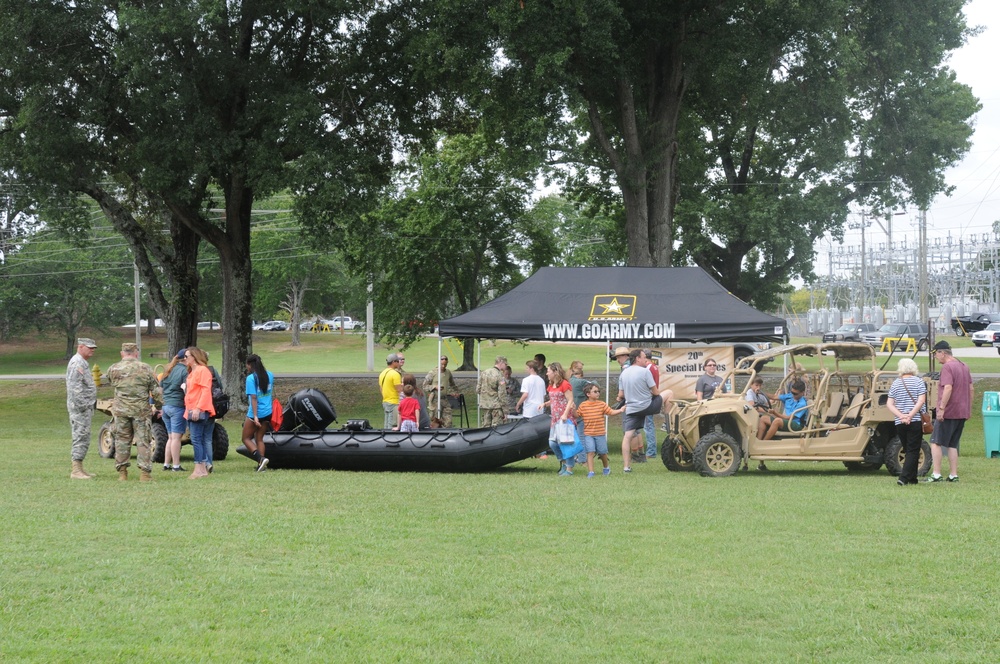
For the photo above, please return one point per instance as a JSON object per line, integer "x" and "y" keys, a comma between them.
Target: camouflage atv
{"x": 847, "y": 419}
{"x": 106, "y": 444}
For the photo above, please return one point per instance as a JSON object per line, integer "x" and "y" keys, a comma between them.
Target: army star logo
{"x": 613, "y": 307}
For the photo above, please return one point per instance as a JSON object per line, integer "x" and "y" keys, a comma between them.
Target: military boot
{"x": 78, "y": 472}
{"x": 145, "y": 476}
{"x": 123, "y": 474}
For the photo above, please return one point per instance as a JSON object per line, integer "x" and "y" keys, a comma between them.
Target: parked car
{"x": 983, "y": 337}
{"x": 916, "y": 331}
{"x": 847, "y": 419}
{"x": 342, "y": 322}
{"x": 273, "y": 326}
{"x": 209, "y": 325}
{"x": 849, "y": 332}
{"x": 963, "y": 325}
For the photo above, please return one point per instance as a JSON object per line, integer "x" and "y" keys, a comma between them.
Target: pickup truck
{"x": 963, "y": 325}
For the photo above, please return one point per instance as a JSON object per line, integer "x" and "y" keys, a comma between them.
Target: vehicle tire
{"x": 923, "y": 345}
{"x": 960, "y": 331}
{"x": 894, "y": 456}
{"x": 220, "y": 442}
{"x": 717, "y": 455}
{"x": 159, "y": 441}
{"x": 676, "y": 457}
{"x": 105, "y": 442}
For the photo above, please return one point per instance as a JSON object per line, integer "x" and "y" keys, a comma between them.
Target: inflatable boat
{"x": 304, "y": 442}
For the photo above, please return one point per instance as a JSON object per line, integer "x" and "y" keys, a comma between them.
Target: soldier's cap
{"x": 391, "y": 357}
{"x": 129, "y": 347}
{"x": 942, "y": 345}
{"x": 84, "y": 341}
{"x": 501, "y": 358}
{"x": 622, "y": 350}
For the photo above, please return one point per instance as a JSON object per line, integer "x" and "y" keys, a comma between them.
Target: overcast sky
{"x": 975, "y": 204}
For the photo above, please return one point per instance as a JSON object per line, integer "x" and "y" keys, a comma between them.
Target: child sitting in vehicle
{"x": 595, "y": 434}
{"x": 793, "y": 417}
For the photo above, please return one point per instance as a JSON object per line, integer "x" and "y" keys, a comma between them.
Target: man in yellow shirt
{"x": 391, "y": 383}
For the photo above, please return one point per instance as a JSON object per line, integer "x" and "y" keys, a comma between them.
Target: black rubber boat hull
{"x": 434, "y": 450}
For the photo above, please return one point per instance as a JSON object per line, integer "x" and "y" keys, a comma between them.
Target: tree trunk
{"x": 177, "y": 302}
{"x": 645, "y": 158}
{"x": 468, "y": 355}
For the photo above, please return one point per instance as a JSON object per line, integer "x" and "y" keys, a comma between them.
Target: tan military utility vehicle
{"x": 106, "y": 442}
{"x": 847, "y": 419}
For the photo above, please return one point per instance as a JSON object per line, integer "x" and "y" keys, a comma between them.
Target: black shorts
{"x": 947, "y": 433}
{"x": 636, "y": 421}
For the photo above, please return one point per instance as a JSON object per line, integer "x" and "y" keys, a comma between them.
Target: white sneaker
{"x": 262, "y": 466}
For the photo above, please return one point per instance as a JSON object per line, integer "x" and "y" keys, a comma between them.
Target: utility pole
{"x": 922, "y": 264}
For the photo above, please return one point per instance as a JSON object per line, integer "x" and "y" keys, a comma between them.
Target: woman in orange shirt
{"x": 198, "y": 408}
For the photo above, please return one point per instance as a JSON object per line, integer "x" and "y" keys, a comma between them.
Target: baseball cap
{"x": 391, "y": 357}
{"x": 181, "y": 353}
{"x": 129, "y": 347}
{"x": 84, "y": 341}
{"x": 942, "y": 345}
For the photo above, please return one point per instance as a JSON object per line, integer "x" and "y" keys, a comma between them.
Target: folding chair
{"x": 459, "y": 410}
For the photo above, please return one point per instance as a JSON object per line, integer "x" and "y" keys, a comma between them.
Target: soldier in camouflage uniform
{"x": 134, "y": 384}
{"x": 432, "y": 390}
{"x": 81, "y": 395}
{"x": 492, "y": 390}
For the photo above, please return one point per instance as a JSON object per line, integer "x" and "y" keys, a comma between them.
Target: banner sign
{"x": 681, "y": 367}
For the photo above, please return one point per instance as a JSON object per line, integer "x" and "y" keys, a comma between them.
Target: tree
{"x": 453, "y": 236}
{"x": 801, "y": 112}
{"x": 583, "y": 237}
{"x": 288, "y": 275}
{"x": 739, "y": 112}
{"x": 54, "y": 283}
{"x": 194, "y": 108}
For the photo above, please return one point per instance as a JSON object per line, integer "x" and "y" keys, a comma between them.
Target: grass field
{"x": 804, "y": 563}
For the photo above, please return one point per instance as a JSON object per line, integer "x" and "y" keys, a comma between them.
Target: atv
{"x": 847, "y": 419}
{"x": 106, "y": 443}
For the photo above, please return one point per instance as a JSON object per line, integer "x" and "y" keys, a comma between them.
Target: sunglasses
{"x": 710, "y": 365}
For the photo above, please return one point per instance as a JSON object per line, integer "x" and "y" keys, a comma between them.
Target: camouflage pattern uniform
{"x": 134, "y": 383}
{"x": 81, "y": 395}
{"x": 492, "y": 390}
{"x": 430, "y": 388}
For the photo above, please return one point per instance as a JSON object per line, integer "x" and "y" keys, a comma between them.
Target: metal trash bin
{"x": 991, "y": 423}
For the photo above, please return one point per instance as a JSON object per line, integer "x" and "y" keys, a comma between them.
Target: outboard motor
{"x": 308, "y": 410}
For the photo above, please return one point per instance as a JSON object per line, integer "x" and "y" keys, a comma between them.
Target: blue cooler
{"x": 991, "y": 423}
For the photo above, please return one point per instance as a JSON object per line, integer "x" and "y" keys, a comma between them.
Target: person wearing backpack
{"x": 260, "y": 393}
{"x": 199, "y": 409}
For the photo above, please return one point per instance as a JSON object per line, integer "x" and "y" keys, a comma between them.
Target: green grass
{"x": 804, "y": 563}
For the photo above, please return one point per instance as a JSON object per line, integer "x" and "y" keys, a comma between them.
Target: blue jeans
{"x": 201, "y": 439}
{"x": 649, "y": 430}
{"x": 582, "y": 456}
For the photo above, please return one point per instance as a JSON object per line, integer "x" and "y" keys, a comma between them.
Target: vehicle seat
{"x": 852, "y": 416}
{"x": 835, "y": 404}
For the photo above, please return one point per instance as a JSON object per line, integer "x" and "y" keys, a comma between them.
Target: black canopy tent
{"x": 617, "y": 304}
{"x": 628, "y": 304}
